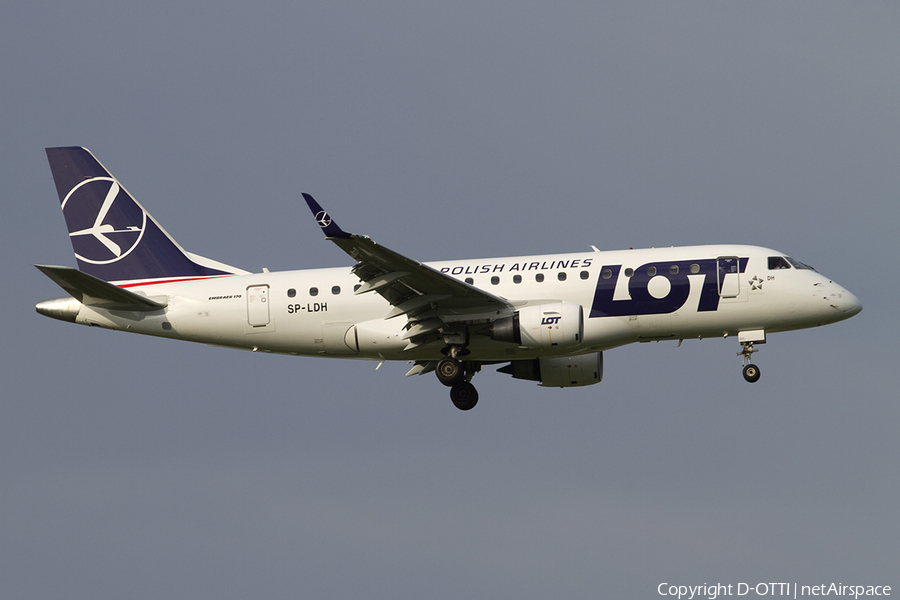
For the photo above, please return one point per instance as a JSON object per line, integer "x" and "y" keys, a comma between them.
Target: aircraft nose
{"x": 849, "y": 303}
{"x": 842, "y": 300}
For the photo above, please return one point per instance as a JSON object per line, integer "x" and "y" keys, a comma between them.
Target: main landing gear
{"x": 457, "y": 375}
{"x": 751, "y": 371}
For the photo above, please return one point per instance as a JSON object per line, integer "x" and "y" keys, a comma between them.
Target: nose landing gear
{"x": 751, "y": 371}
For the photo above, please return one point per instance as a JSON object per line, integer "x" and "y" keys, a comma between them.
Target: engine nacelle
{"x": 559, "y": 371}
{"x": 556, "y": 325}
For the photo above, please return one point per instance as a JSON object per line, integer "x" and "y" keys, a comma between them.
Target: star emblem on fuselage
{"x": 756, "y": 283}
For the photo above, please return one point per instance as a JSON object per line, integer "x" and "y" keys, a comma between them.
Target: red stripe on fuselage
{"x": 160, "y": 281}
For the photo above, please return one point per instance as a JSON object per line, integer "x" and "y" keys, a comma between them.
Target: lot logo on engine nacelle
{"x": 550, "y": 320}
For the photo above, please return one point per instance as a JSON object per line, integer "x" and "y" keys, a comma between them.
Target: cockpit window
{"x": 778, "y": 262}
{"x": 799, "y": 265}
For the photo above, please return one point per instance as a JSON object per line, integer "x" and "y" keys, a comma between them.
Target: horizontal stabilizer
{"x": 91, "y": 291}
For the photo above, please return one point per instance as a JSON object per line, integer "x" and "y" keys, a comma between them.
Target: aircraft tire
{"x": 449, "y": 371}
{"x": 464, "y": 396}
{"x": 751, "y": 373}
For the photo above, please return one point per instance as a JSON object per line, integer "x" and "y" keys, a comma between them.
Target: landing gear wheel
{"x": 751, "y": 373}
{"x": 449, "y": 371}
{"x": 464, "y": 396}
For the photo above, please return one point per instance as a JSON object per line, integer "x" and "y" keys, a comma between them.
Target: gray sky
{"x": 134, "y": 467}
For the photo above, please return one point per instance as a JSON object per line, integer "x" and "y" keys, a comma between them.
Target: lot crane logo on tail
{"x": 105, "y": 223}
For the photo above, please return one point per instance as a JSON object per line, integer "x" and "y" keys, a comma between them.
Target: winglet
{"x": 328, "y": 225}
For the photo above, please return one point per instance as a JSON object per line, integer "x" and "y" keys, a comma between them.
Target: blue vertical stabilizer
{"x": 113, "y": 236}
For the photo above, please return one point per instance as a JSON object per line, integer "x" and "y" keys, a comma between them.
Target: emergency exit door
{"x": 258, "y": 305}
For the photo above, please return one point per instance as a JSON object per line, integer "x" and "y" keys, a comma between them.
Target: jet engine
{"x": 559, "y": 371}
{"x": 555, "y": 325}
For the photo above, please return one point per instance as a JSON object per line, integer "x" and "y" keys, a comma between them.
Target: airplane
{"x": 546, "y": 318}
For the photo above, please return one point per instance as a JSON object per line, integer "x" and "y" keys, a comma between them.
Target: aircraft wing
{"x": 429, "y": 299}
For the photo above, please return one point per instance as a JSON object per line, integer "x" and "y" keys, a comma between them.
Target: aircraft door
{"x": 728, "y": 276}
{"x": 258, "y": 305}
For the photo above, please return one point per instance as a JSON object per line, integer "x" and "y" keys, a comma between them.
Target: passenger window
{"x": 629, "y": 272}
{"x": 336, "y": 290}
{"x": 356, "y": 287}
{"x": 470, "y": 281}
{"x": 292, "y": 293}
{"x": 313, "y": 291}
{"x": 561, "y": 275}
{"x": 778, "y": 262}
{"x": 695, "y": 268}
{"x": 495, "y": 280}
{"x": 585, "y": 274}
{"x": 651, "y": 271}
{"x": 517, "y": 279}
{"x": 539, "y": 277}
{"x": 606, "y": 273}
{"x": 673, "y": 270}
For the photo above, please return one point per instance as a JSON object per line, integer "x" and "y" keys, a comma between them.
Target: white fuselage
{"x": 626, "y": 296}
